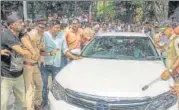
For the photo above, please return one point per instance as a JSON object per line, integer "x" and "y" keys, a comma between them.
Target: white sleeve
{"x": 64, "y": 45}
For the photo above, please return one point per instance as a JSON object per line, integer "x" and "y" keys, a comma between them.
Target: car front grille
{"x": 91, "y": 102}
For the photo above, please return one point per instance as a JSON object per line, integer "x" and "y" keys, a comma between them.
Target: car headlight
{"x": 162, "y": 102}
{"x": 57, "y": 90}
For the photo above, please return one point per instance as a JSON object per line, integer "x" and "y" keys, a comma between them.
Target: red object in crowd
{"x": 176, "y": 30}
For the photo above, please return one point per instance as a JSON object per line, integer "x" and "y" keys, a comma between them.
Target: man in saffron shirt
{"x": 75, "y": 37}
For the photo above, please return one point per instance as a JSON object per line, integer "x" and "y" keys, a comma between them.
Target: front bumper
{"x": 62, "y": 105}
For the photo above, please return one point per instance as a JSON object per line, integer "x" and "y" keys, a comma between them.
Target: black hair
{"x": 63, "y": 25}
{"x": 87, "y": 24}
{"x": 76, "y": 20}
{"x": 53, "y": 22}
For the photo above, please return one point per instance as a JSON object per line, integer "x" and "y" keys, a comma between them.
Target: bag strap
{"x": 173, "y": 44}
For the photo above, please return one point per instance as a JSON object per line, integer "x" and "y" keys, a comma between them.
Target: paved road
{"x": 11, "y": 102}
{"x": 11, "y": 105}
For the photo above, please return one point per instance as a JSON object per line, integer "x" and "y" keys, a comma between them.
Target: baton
{"x": 152, "y": 82}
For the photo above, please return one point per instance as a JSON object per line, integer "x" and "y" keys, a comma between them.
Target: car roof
{"x": 122, "y": 34}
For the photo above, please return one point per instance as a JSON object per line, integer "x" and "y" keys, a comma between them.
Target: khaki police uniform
{"x": 32, "y": 75}
{"x": 172, "y": 54}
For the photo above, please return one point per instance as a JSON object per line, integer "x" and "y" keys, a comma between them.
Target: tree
{"x": 10, "y": 7}
{"x": 161, "y": 10}
{"x": 106, "y": 10}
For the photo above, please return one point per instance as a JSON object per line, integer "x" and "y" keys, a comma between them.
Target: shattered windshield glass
{"x": 107, "y": 47}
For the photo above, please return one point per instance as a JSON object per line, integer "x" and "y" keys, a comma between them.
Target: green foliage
{"x": 124, "y": 10}
{"x": 137, "y": 3}
{"x": 107, "y": 10}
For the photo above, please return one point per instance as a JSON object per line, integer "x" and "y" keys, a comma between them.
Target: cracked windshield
{"x": 120, "y": 48}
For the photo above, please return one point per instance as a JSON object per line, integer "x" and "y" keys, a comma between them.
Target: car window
{"x": 109, "y": 47}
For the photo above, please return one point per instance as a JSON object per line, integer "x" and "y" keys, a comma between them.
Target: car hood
{"x": 113, "y": 78}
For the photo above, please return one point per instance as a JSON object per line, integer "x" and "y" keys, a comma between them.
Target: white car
{"x": 115, "y": 68}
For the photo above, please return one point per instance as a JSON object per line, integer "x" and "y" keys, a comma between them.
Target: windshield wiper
{"x": 93, "y": 57}
{"x": 152, "y": 58}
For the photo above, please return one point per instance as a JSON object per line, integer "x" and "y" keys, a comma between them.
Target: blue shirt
{"x": 53, "y": 43}
{"x": 163, "y": 41}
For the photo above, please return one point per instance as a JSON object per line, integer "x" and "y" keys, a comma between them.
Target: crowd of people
{"x": 30, "y": 51}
